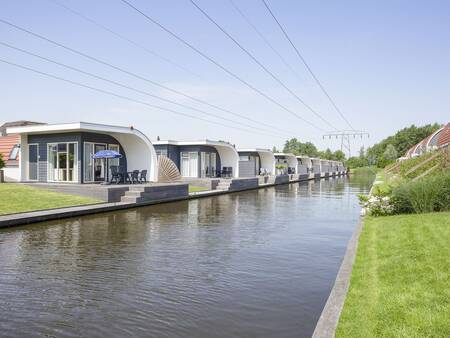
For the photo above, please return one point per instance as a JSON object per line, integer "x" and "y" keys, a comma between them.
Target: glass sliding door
{"x": 113, "y": 161}
{"x": 212, "y": 165}
{"x": 33, "y": 160}
{"x": 62, "y": 162}
{"x": 208, "y": 164}
{"x": 99, "y": 164}
{"x": 189, "y": 164}
{"x": 88, "y": 162}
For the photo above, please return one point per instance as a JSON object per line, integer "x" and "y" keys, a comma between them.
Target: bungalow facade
{"x": 325, "y": 168}
{"x": 287, "y": 163}
{"x": 304, "y": 165}
{"x": 63, "y": 153}
{"x": 317, "y": 167}
{"x": 255, "y": 162}
{"x": 201, "y": 159}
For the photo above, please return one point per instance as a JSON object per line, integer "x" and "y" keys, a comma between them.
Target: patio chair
{"x": 135, "y": 176}
{"x": 143, "y": 176}
{"x": 116, "y": 175}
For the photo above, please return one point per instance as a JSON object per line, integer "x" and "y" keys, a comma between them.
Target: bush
{"x": 425, "y": 195}
{"x": 376, "y": 205}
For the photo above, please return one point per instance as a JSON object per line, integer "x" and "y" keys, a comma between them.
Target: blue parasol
{"x": 107, "y": 154}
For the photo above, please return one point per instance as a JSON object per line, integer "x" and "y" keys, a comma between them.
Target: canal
{"x": 259, "y": 263}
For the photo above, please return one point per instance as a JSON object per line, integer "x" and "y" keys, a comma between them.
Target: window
{"x": 162, "y": 152}
{"x": 14, "y": 152}
{"x": 244, "y": 158}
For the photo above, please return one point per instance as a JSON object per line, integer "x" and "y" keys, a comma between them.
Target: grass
{"x": 400, "y": 280}
{"x": 16, "y": 198}
{"x": 364, "y": 170}
{"x": 193, "y": 188}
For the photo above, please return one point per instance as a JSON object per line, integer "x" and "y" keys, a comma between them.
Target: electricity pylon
{"x": 345, "y": 135}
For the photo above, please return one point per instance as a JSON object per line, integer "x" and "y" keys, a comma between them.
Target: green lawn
{"x": 20, "y": 198}
{"x": 193, "y": 188}
{"x": 400, "y": 284}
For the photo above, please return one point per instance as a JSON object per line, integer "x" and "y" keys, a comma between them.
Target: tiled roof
{"x": 444, "y": 136}
{"x": 7, "y": 143}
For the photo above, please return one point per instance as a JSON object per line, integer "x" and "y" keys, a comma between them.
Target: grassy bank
{"x": 400, "y": 280}
{"x": 16, "y": 198}
{"x": 364, "y": 170}
{"x": 194, "y": 188}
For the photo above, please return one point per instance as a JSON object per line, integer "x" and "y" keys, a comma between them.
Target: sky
{"x": 386, "y": 64}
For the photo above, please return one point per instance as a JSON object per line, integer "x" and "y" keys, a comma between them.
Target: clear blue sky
{"x": 386, "y": 64}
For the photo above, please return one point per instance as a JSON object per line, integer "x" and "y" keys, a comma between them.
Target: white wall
{"x": 140, "y": 154}
{"x": 229, "y": 157}
{"x": 267, "y": 161}
{"x": 12, "y": 174}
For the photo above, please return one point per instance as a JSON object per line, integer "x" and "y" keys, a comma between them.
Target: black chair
{"x": 143, "y": 176}
{"x": 135, "y": 176}
{"x": 227, "y": 172}
{"x": 116, "y": 175}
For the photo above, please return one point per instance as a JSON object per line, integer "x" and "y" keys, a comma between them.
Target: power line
{"x": 124, "y": 38}
{"x": 129, "y": 87}
{"x": 210, "y": 59}
{"x": 136, "y": 75}
{"x": 266, "y": 41}
{"x": 260, "y": 64}
{"x": 306, "y": 65}
{"x": 117, "y": 95}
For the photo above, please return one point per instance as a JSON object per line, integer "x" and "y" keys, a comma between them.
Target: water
{"x": 253, "y": 264}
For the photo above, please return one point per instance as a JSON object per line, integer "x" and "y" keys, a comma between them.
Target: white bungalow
{"x": 201, "y": 159}
{"x": 325, "y": 167}
{"x": 317, "y": 167}
{"x": 304, "y": 165}
{"x": 64, "y": 152}
{"x": 289, "y": 161}
{"x": 255, "y": 161}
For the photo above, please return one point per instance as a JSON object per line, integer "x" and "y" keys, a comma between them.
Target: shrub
{"x": 425, "y": 195}
{"x": 376, "y": 205}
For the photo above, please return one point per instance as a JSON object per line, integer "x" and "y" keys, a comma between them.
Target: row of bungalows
{"x": 63, "y": 153}
{"x": 440, "y": 139}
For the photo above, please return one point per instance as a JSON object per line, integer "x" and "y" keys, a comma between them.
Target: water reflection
{"x": 257, "y": 263}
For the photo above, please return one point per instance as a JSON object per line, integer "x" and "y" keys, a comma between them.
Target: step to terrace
{"x": 139, "y": 194}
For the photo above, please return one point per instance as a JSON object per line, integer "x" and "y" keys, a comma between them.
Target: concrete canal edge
{"x": 329, "y": 319}
{"x": 12, "y": 220}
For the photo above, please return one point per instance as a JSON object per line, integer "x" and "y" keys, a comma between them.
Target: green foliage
{"x": 2, "y": 162}
{"x": 357, "y": 162}
{"x": 425, "y": 195}
{"x": 298, "y": 148}
{"x": 407, "y": 165}
{"x": 400, "y": 141}
{"x": 281, "y": 166}
{"x": 390, "y": 153}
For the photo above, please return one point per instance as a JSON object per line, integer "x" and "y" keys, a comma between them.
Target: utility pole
{"x": 345, "y": 135}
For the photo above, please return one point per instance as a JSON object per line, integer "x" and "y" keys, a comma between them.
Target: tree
{"x": 2, "y": 162}
{"x": 390, "y": 153}
{"x": 339, "y": 155}
{"x": 298, "y": 148}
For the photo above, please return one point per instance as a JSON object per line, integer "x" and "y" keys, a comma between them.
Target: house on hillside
{"x": 10, "y": 148}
